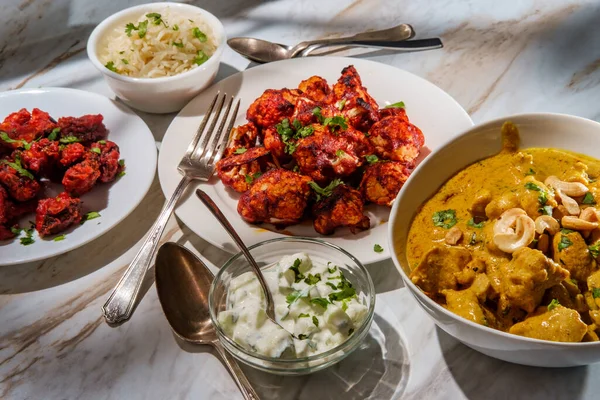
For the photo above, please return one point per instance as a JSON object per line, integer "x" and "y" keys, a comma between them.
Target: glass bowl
{"x": 268, "y": 252}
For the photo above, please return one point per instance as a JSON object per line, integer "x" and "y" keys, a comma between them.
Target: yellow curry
{"x": 512, "y": 242}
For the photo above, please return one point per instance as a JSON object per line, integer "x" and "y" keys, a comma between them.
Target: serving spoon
{"x": 183, "y": 282}
{"x": 263, "y": 51}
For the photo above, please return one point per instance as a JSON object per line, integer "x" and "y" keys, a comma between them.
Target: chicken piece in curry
{"x": 512, "y": 242}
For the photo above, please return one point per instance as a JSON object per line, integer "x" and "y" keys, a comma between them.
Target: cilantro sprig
{"x": 16, "y": 165}
{"x": 327, "y": 190}
{"x": 444, "y": 218}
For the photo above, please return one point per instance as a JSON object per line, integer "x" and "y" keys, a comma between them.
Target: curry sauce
{"x": 511, "y": 242}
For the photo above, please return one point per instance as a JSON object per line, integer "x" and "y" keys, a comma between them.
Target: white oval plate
{"x": 438, "y": 115}
{"x": 113, "y": 201}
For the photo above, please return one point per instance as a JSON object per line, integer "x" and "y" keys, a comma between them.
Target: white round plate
{"x": 114, "y": 201}
{"x": 438, "y": 115}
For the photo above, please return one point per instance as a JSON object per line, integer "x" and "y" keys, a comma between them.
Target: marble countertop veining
{"x": 499, "y": 58}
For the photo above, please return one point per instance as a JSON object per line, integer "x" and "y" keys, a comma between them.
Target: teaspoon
{"x": 183, "y": 282}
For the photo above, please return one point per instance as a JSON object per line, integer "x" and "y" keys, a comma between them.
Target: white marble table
{"x": 500, "y": 58}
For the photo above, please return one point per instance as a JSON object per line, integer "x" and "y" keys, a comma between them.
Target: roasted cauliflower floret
{"x": 315, "y": 88}
{"x": 355, "y": 103}
{"x": 344, "y": 207}
{"x": 272, "y": 107}
{"x": 396, "y": 139}
{"x": 238, "y": 171}
{"x": 279, "y": 197}
{"x": 382, "y": 181}
{"x": 241, "y": 137}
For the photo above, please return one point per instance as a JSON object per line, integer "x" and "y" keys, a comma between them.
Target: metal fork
{"x": 198, "y": 163}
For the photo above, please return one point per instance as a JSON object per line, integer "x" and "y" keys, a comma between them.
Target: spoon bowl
{"x": 183, "y": 284}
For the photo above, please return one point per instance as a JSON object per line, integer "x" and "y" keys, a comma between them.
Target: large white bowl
{"x": 482, "y": 141}
{"x": 158, "y": 95}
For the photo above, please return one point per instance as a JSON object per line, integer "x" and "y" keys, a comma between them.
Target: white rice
{"x": 154, "y": 55}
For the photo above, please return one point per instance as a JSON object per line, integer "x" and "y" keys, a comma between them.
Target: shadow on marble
{"x": 85, "y": 260}
{"x": 378, "y": 369}
{"x": 483, "y": 377}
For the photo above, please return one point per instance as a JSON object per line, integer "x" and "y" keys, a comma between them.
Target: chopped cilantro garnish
{"x": 377, "y": 248}
{"x": 175, "y": 27}
{"x": 445, "y": 218}
{"x": 124, "y": 61}
{"x": 120, "y": 174}
{"x": 336, "y": 122}
{"x": 303, "y": 315}
{"x": 96, "y": 150}
{"x": 543, "y": 198}
{"x": 327, "y": 190}
{"x": 399, "y": 104}
{"x": 201, "y": 57}
{"x": 122, "y": 162}
{"x": 305, "y": 131}
{"x": 129, "y": 28}
{"x": 317, "y": 113}
{"x": 296, "y": 268}
{"x": 16, "y": 230}
{"x": 5, "y": 138}
{"x": 595, "y": 249}
{"x": 472, "y": 223}
{"x": 142, "y": 28}
{"x": 564, "y": 243}
{"x": 533, "y": 186}
{"x": 180, "y": 44}
{"x": 59, "y": 238}
{"x": 101, "y": 141}
{"x": 345, "y": 293}
{"x": 553, "y": 304}
{"x": 530, "y": 172}
{"x": 28, "y": 238}
{"x": 546, "y": 210}
{"x": 16, "y": 165}
{"x": 198, "y": 34}
{"x": 340, "y": 153}
{"x": 69, "y": 139}
{"x": 91, "y": 215}
{"x": 331, "y": 285}
{"x": 331, "y": 270}
{"x": 371, "y": 158}
{"x": 156, "y": 19}
{"x": 54, "y": 134}
{"x": 315, "y": 321}
{"x": 111, "y": 65}
{"x": 295, "y": 295}
{"x": 595, "y": 292}
{"x": 320, "y": 301}
{"x": 588, "y": 199}
{"x": 312, "y": 279}
{"x": 249, "y": 178}
{"x": 241, "y": 150}
{"x": 302, "y": 336}
{"x": 340, "y": 104}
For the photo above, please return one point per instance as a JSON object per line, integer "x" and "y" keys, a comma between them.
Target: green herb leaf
{"x": 327, "y": 190}
{"x": 588, "y": 199}
{"x": 142, "y": 29}
{"x": 553, "y": 304}
{"x": 180, "y": 44}
{"x": 302, "y": 336}
{"x": 201, "y": 57}
{"x": 96, "y": 150}
{"x": 543, "y": 198}
{"x": 241, "y": 150}
{"x": 340, "y": 153}
{"x": 336, "y": 122}
{"x": 111, "y": 65}
{"x": 26, "y": 241}
{"x": 546, "y": 210}
{"x": 320, "y": 301}
{"x": 594, "y": 249}
{"x": 198, "y": 34}
{"x": 331, "y": 270}
{"x": 371, "y": 158}
{"x": 305, "y": 131}
{"x": 54, "y": 134}
{"x": 16, "y": 230}
{"x": 331, "y": 285}
{"x": 59, "y": 238}
{"x": 175, "y": 27}
{"x": 595, "y": 292}
{"x": 16, "y": 165}
{"x": 122, "y": 162}
{"x": 92, "y": 215}
{"x": 315, "y": 321}
{"x": 317, "y": 113}
{"x": 101, "y": 141}
{"x": 312, "y": 279}
{"x": 120, "y": 174}
{"x": 5, "y": 138}
{"x": 472, "y": 223}
{"x": 377, "y": 248}
{"x": 399, "y": 104}
{"x": 69, "y": 139}
{"x": 530, "y": 172}
{"x": 156, "y": 19}
{"x": 296, "y": 268}
{"x": 345, "y": 293}
{"x": 249, "y": 178}
{"x": 129, "y": 28}
{"x": 340, "y": 104}
{"x": 124, "y": 61}
{"x": 445, "y": 218}
{"x": 303, "y": 315}
{"x": 295, "y": 295}
{"x": 533, "y": 186}
{"x": 564, "y": 243}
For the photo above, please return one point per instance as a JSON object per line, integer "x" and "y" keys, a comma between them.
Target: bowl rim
{"x": 94, "y": 38}
{"x": 414, "y": 289}
{"x": 357, "y": 336}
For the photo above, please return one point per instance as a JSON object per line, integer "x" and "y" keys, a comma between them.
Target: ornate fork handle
{"x": 119, "y": 306}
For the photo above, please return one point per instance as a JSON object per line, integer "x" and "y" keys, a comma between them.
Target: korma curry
{"x": 512, "y": 242}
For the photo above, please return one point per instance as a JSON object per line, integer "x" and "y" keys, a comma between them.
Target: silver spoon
{"x": 214, "y": 209}
{"x": 396, "y": 38}
{"x": 183, "y": 282}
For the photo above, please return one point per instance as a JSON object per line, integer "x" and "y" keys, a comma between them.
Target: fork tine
{"x": 201, "y": 148}
{"x": 226, "y": 135}
{"x": 201, "y": 128}
{"x": 211, "y": 153}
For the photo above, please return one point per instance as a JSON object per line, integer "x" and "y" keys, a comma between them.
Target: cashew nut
{"x": 568, "y": 188}
{"x": 577, "y": 224}
{"x": 590, "y": 214}
{"x": 570, "y": 204}
{"x": 546, "y": 223}
{"x": 513, "y": 230}
{"x": 453, "y": 236}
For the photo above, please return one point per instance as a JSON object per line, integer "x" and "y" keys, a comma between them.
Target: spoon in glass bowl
{"x": 183, "y": 283}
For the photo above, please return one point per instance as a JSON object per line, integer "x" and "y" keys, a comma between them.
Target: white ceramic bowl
{"x": 482, "y": 141}
{"x": 158, "y": 95}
